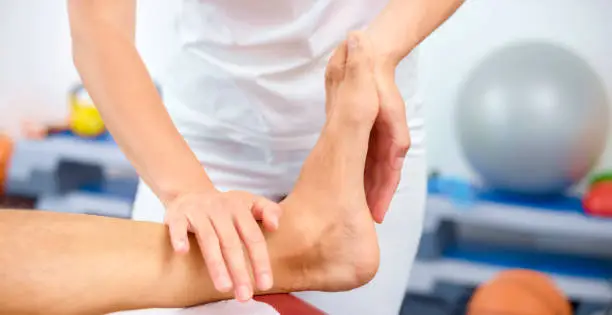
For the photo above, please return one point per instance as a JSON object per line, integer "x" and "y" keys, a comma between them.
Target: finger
{"x": 359, "y": 66}
{"x": 178, "y": 227}
{"x": 399, "y": 133}
{"x": 399, "y": 149}
{"x": 385, "y": 195}
{"x": 211, "y": 251}
{"x": 267, "y": 211}
{"x": 231, "y": 247}
{"x": 256, "y": 245}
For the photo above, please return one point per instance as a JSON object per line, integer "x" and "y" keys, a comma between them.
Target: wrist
{"x": 391, "y": 44}
{"x": 172, "y": 190}
{"x": 386, "y": 56}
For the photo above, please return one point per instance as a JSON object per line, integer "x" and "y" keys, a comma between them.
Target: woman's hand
{"x": 389, "y": 141}
{"x": 395, "y": 32}
{"x": 224, "y": 223}
{"x": 390, "y": 137}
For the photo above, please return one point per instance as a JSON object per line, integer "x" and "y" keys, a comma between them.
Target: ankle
{"x": 294, "y": 245}
{"x": 320, "y": 257}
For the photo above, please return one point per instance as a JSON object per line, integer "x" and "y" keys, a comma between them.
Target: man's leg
{"x": 398, "y": 238}
{"x": 399, "y": 234}
{"x": 74, "y": 264}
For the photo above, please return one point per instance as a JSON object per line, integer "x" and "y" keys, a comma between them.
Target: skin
{"x": 54, "y": 263}
{"x": 103, "y": 41}
{"x": 400, "y": 27}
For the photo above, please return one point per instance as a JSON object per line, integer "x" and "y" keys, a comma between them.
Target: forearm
{"x": 75, "y": 264}
{"x": 403, "y": 24}
{"x": 118, "y": 82}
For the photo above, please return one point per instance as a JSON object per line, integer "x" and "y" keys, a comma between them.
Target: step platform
{"x": 470, "y": 235}
{"x": 449, "y": 298}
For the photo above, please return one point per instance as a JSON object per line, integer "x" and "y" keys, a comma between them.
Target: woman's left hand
{"x": 389, "y": 140}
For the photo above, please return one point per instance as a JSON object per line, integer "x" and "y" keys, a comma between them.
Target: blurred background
{"x": 500, "y": 207}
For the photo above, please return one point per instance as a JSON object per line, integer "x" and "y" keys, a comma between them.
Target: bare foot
{"x": 332, "y": 240}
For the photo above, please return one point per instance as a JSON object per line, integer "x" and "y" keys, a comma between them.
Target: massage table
{"x": 289, "y": 304}
{"x": 275, "y": 304}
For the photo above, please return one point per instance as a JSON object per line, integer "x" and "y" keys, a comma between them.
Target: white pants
{"x": 270, "y": 173}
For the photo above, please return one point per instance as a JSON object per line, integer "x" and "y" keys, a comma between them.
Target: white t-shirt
{"x": 253, "y": 71}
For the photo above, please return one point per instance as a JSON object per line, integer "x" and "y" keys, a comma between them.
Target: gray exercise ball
{"x": 532, "y": 119}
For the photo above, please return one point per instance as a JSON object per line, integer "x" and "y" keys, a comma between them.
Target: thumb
{"x": 400, "y": 141}
{"x": 359, "y": 64}
{"x": 401, "y": 145}
{"x": 392, "y": 123}
{"x": 267, "y": 211}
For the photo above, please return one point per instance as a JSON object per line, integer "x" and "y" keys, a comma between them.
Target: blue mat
{"x": 563, "y": 264}
{"x": 463, "y": 192}
{"x": 104, "y": 137}
{"x": 123, "y": 188}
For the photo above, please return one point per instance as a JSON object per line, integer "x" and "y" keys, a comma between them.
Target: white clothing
{"x": 253, "y": 70}
{"x": 247, "y": 93}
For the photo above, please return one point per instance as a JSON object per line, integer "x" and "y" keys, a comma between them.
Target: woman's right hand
{"x": 103, "y": 40}
{"x": 223, "y": 222}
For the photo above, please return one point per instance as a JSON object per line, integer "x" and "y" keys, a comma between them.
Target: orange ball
{"x": 6, "y": 150}
{"x": 519, "y": 292}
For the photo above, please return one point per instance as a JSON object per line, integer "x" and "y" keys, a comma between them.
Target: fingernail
{"x": 353, "y": 42}
{"x": 399, "y": 162}
{"x": 224, "y": 284}
{"x": 275, "y": 223}
{"x": 180, "y": 245}
{"x": 265, "y": 281}
{"x": 243, "y": 293}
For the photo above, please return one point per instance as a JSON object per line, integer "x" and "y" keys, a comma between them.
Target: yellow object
{"x": 6, "y": 150}
{"x": 85, "y": 120}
